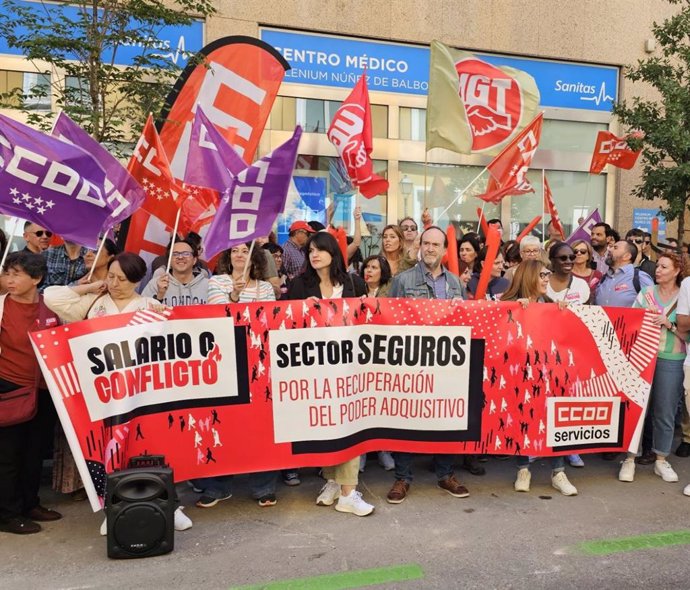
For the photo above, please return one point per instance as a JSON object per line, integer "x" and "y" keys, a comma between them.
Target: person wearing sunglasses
{"x": 637, "y": 237}
{"x": 36, "y": 237}
{"x": 410, "y": 231}
{"x": 529, "y": 286}
{"x": 583, "y": 267}
{"x": 185, "y": 284}
{"x": 563, "y": 285}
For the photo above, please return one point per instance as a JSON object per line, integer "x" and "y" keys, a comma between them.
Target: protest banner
{"x": 240, "y": 388}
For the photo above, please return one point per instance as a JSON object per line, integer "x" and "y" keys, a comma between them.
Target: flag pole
{"x": 543, "y": 197}
{"x": 98, "y": 253}
{"x": 426, "y": 163}
{"x": 172, "y": 240}
{"x": 481, "y": 215}
{"x": 249, "y": 261}
{"x": 9, "y": 243}
{"x": 460, "y": 194}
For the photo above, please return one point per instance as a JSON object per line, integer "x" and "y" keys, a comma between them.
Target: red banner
{"x": 613, "y": 150}
{"x": 232, "y": 389}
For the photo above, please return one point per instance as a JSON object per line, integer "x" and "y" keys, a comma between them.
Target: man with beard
{"x": 599, "y": 241}
{"x": 622, "y": 282}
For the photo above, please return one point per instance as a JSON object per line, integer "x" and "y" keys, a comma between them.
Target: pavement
{"x": 612, "y": 535}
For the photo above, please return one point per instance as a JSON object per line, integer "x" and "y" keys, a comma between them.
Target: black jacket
{"x": 302, "y": 288}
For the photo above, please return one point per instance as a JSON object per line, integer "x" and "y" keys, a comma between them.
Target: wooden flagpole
{"x": 172, "y": 240}
{"x": 98, "y": 253}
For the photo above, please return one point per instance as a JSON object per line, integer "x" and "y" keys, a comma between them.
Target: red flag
{"x": 550, "y": 206}
{"x": 613, "y": 150}
{"x": 149, "y": 165}
{"x": 509, "y": 169}
{"x": 350, "y": 133}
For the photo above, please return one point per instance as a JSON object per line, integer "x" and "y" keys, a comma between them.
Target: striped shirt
{"x": 220, "y": 287}
{"x": 670, "y": 346}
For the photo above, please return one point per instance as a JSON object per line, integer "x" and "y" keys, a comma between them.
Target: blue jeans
{"x": 557, "y": 463}
{"x": 665, "y": 395}
{"x": 443, "y": 465}
{"x": 261, "y": 484}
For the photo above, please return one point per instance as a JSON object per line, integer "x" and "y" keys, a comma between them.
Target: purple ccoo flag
{"x": 211, "y": 161}
{"x": 584, "y": 231}
{"x": 51, "y": 183}
{"x": 123, "y": 193}
{"x": 249, "y": 206}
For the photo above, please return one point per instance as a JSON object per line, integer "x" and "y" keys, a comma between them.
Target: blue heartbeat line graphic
{"x": 174, "y": 56}
{"x": 599, "y": 98}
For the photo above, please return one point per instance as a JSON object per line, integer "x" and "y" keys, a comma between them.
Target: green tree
{"x": 79, "y": 50}
{"x": 665, "y": 121}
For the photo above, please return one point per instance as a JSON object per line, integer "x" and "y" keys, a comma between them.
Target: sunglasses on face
{"x": 565, "y": 257}
{"x": 40, "y": 233}
{"x": 182, "y": 254}
{"x": 637, "y": 241}
{"x": 580, "y": 252}
{"x": 408, "y": 228}
{"x": 544, "y": 275}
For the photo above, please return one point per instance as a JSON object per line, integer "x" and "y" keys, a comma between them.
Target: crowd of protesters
{"x": 44, "y": 286}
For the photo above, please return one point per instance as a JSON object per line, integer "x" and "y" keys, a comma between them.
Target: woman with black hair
{"x": 325, "y": 277}
{"x": 377, "y": 275}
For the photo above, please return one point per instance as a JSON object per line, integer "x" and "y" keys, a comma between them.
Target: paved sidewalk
{"x": 496, "y": 538}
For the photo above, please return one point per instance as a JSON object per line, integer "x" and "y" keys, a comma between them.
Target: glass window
{"x": 576, "y": 195}
{"x": 449, "y": 194}
{"x": 569, "y": 136}
{"x": 321, "y": 183}
{"x": 413, "y": 124}
{"x": 77, "y": 91}
{"x": 315, "y": 116}
{"x": 33, "y": 86}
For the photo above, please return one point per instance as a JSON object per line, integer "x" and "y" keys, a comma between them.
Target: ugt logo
{"x": 493, "y": 102}
{"x": 346, "y": 135}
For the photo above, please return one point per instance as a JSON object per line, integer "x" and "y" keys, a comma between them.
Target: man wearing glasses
{"x": 185, "y": 284}
{"x": 637, "y": 237}
{"x": 36, "y": 237}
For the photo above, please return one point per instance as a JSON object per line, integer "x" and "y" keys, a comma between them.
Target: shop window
{"x": 28, "y": 90}
{"x": 413, "y": 124}
{"x": 320, "y": 182}
{"x": 315, "y": 115}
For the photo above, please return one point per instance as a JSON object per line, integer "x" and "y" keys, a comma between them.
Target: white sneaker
{"x": 354, "y": 503}
{"x": 329, "y": 493}
{"x": 362, "y": 462}
{"x": 182, "y": 521}
{"x": 686, "y": 490}
{"x": 104, "y": 527}
{"x": 627, "y": 470}
{"x": 561, "y": 483}
{"x": 664, "y": 470}
{"x": 524, "y": 477}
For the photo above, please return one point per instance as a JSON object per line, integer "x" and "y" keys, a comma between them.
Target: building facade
{"x": 576, "y": 51}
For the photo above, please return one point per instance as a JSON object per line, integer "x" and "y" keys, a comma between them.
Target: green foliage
{"x": 666, "y": 142}
{"x": 106, "y": 99}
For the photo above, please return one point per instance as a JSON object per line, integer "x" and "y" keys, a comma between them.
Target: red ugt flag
{"x": 550, "y": 206}
{"x": 509, "y": 169}
{"x": 613, "y": 150}
{"x": 350, "y": 133}
{"x": 149, "y": 165}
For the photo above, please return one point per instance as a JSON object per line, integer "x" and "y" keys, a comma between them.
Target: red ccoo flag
{"x": 350, "y": 133}
{"x": 550, "y": 206}
{"x": 509, "y": 169}
{"x": 613, "y": 150}
{"x": 149, "y": 165}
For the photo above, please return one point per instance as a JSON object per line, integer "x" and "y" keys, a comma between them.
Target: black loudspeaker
{"x": 140, "y": 510}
